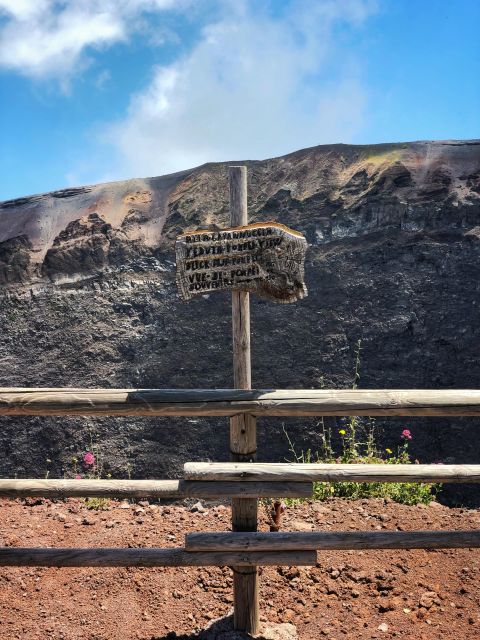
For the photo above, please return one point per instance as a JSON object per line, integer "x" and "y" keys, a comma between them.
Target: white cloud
{"x": 254, "y": 86}
{"x": 45, "y": 38}
{"x": 265, "y": 77}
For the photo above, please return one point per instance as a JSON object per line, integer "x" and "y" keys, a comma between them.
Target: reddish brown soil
{"x": 416, "y": 594}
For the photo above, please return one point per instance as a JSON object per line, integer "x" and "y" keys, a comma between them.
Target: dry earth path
{"x": 421, "y": 595}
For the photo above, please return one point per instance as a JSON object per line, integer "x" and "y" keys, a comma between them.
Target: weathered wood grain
{"x": 177, "y": 557}
{"x": 14, "y": 488}
{"x": 243, "y": 427}
{"x": 263, "y": 258}
{"x": 231, "y": 402}
{"x": 430, "y": 473}
{"x": 331, "y": 540}
{"x": 62, "y": 488}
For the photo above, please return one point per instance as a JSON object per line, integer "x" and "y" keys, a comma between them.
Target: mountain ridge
{"x": 88, "y": 298}
{"x": 452, "y": 142}
{"x": 145, "y": 210}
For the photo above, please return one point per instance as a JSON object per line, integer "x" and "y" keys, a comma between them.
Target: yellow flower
{"x": 332, "y": 489}
{"x": 342, "y": 432}
{"x": 388, "y": 450}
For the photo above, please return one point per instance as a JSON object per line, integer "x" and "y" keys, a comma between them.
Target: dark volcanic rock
{"x": 14, "y": 260}
{"x": 88, "y": 298}
{"x": 80, "y": 248}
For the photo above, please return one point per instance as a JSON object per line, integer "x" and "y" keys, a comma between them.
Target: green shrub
{"x": 359, "y": 446}
{"x": 97, "y": 504}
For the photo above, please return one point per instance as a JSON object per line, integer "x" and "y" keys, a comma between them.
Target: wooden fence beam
{"x": 14, "y": 488}
{"x": 332, "y": 540}
{"x": 429, "y": 473}
{"x": 177, "y": 557}
{"x": 231, "y": 402}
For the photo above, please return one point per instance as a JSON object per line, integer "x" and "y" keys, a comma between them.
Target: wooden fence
{"x": 242, "y": 481}
{"x": 235, "y": 402}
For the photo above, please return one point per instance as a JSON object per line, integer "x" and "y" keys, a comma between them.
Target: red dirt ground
{"x": 421, "y": 595}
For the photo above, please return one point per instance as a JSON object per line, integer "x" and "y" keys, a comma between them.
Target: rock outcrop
{"x": 88, "y": 298}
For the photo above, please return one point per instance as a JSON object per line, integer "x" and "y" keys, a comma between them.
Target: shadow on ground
{"x": 174, "y": 636}
{"x": 222, "y": 629}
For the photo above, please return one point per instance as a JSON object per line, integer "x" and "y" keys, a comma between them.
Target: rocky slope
{"x": 88, "y": 298}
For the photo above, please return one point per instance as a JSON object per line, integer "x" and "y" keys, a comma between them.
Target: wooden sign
{"x": 263, "y": 258}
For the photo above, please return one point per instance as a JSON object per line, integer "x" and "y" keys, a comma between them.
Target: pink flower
{"x": 406, "y": 435}
{"x": 78, "y": 477}
{"x": 88, "y": 459}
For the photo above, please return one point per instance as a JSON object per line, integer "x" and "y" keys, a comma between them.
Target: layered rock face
{"x": 88, "y": 299}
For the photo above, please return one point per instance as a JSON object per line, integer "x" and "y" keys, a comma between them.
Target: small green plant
{"x": 93, "y": 468}
{"x": 97, "y": 504}
{"x": 91, "y": 471}
{"x": 89, "y": 466}
{"x": 358, "y": 446}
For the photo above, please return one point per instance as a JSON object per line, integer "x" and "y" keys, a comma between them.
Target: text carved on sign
{"x": 263, "y": 258}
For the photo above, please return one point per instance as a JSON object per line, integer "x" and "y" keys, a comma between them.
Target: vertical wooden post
{"x": 243, "y": 428}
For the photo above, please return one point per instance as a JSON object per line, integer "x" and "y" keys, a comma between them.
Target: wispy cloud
{"x": 256, "y": 85}
{"x": 51, "y": 38}
{"x": 263, "y": 78}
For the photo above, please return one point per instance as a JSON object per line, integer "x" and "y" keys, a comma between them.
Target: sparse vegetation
{"x": 358, "y": 445}
{"x": 90, "y": 466}
{"x": 97, "y": 504}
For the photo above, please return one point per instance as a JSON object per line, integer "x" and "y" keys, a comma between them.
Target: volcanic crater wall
{"x": 88, "y": 299}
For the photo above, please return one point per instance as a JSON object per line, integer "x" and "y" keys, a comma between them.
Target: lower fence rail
{"x": 317, "y": 472}
{"x": 171, "y": 489}
{"x": 176, "y": 557}
{"x": 237, "y": 549}
{"x": 332, "y": 540}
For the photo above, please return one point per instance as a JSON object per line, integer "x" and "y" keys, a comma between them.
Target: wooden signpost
{"x": 262, "y": 258}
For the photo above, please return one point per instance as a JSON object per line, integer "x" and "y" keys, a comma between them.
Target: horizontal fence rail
{"x": 315, "y": 472}
{"x": 338, "y": 540}
{"x": 177, "y": 557}
{"x": 230, "y": 402}
{"x": 174, "y": 489}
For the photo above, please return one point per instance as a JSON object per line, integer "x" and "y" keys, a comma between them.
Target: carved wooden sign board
{"x": 267, "y": 259}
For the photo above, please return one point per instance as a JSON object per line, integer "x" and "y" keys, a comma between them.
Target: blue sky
{"x": 97, "y": 90}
